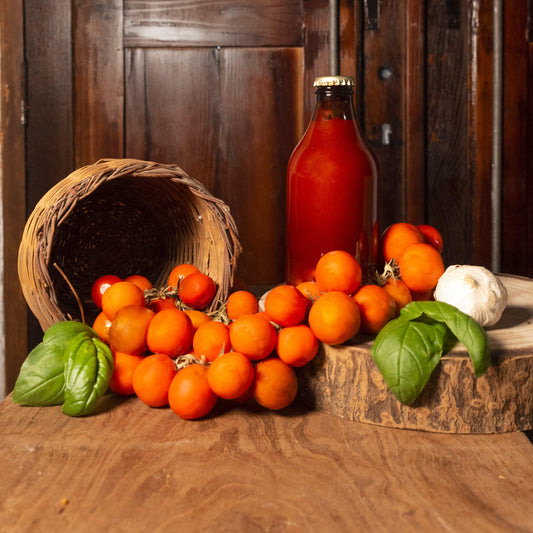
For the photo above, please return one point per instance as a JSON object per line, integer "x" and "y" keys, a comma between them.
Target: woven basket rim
{"x": 59, "y": 202}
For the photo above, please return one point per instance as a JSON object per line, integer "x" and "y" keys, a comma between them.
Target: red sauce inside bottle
{"x": 330, "y": 197}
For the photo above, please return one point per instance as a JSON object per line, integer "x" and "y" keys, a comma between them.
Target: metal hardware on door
{"x": 384, "y": 73}
{"x": 386, "y": 133}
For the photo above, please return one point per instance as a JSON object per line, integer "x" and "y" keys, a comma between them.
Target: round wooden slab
{"x": 344, "y": 381}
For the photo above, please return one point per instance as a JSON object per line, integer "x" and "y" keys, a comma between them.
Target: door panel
{"x": 229, "y": 117}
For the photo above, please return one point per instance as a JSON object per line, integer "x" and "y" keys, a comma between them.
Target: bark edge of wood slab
{"x": 344, "y": 381}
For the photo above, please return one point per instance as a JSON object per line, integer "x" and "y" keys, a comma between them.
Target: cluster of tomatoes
{"x": 169, "y": 350}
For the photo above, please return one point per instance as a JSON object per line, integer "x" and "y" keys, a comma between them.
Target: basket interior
{"x": 124, "y": 226}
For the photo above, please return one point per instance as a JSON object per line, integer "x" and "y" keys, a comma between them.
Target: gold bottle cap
{"x": 328, "y": 81}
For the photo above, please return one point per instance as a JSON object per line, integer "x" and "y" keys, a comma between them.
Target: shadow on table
{"x": 296, "y": 409}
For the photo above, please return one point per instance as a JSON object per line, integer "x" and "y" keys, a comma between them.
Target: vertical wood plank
{"x": 449, "y": 192}
{"x": 383, "y": 71}
{"x": 415, "y": 110}
{"x": 316, "y": 55}
{"x": 172, "y": 101}
{"x": 98, "y": 80}
{"x": 49, "y": 84}
{"x": 255, "y": 150}
{"x": 517, "y": 147}
{"x": 479, "y": 139}
{"x": 13, "y": 334}
{"x": 528, "y": 237}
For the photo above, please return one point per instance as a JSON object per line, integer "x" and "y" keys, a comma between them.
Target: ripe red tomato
{"x": 432, "y": 236}
{"x": 100, "y": 286}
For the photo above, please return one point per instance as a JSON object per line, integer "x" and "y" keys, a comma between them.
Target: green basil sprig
{"x": 71, "y": 366}
{"x": 41, "y": 379}
{"x": 408, "y": 348}
{"x": 88, "y": 369}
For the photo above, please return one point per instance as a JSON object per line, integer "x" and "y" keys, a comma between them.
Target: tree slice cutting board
{"x": 344, "y": 380}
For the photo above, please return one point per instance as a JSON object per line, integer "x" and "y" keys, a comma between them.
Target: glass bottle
{"x": 331, "y": 186}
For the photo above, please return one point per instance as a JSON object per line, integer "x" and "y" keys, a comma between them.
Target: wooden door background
{"x": 223, "y": 88}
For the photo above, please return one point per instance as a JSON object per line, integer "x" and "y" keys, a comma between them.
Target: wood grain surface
{"x": 345, "y": 381}
{"x": 131, "y": 468}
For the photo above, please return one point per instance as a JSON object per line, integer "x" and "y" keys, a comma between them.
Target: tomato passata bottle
{"x": 331, "y": 186}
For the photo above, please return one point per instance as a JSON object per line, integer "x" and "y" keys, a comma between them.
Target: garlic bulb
{"x": 474, "y": 290}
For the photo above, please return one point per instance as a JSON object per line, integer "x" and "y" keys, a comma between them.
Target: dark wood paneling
{"x": 479, "y": 134}
{"x": 13, "y": 187}
{"x": 172, "y": 106}
{"x": 449, "y": 191}
{"x": 415, "y": 112}
{"x": 49, "y": 90}
{"x": 255, "y": 149}
{"x": 98, "y": 65}
{"x": 231, "y": 125}
{"x": 316, "y": 55}
{"x": 383, "y": 83}
{"x": 517, "y": 147}
{"x": 212, "y": 23}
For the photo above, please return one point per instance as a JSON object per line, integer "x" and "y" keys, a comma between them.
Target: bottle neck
{"x": 334, "y": 103}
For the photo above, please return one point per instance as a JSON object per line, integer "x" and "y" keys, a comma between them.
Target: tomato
{"x": 432, "y": 236}
{"x": 100, "y": 286}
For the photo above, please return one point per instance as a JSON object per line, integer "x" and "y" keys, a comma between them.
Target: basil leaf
{"x": 63, "y": 332}
{"x": 406, "y": 352}
{"x": 463, "y": 326}
{"x": 88, "y": 369}
{"x": 41, "y": 381}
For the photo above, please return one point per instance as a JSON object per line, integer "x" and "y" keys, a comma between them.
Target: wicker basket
{"x": 123, "y": 217}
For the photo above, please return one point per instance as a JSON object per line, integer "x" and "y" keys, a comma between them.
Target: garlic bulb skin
{"x": 474, "y": 290}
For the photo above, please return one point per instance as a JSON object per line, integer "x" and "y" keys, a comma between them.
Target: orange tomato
{"x": 297, "y": 345}
{"x": 119, "y": 295}
{"x": 334, "y": 318}
{"x": 286, "y": 305}
{"x": 141, "y": 281}
{"x": 399, "y": 292}
{"x": 309, "y": 289}
{"x": 151, "y": 379}
{"x": 121, "y": 381}
{"x": 197, "y": 290}
{"x": 190, "y": 395}
{"x": 275, "y": 384}
{"x": 197, "y": 317}
{"x": 241, "y": 303}
{"x": 211, "y": 339}
{"x": 170, "y": 332}
{"x": 377, "y": 307}
{"x": 421, "y": 266}
{"x": 338, "y": 271}
{"x": 254, "y": 336}
{"x": 230, "y": 375}
{"x": 101, "y": 325}
{"x": 179, "y": 272}
{"x": 162, "y": 303}
{"x": 397, "y": 237}
{"x": 129, "y": 327}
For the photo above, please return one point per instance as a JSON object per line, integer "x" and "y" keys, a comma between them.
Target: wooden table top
{"x": 131, "y": 468}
